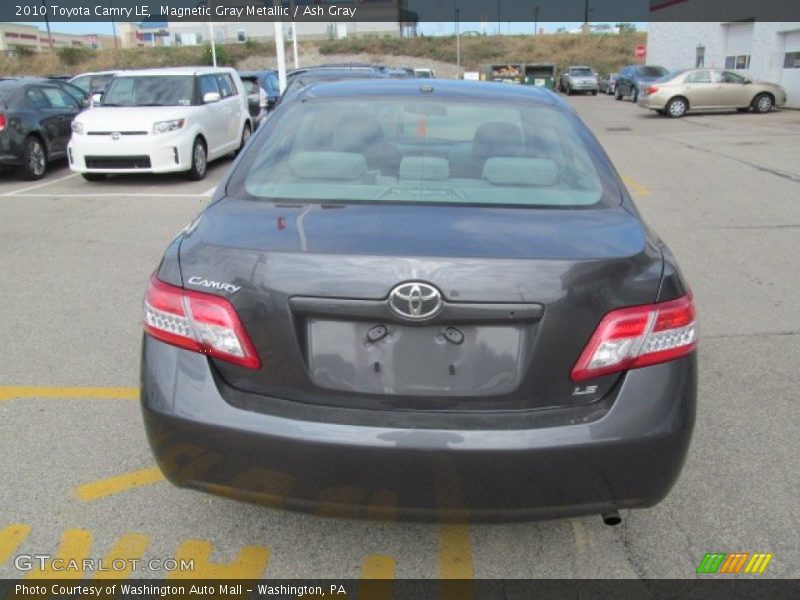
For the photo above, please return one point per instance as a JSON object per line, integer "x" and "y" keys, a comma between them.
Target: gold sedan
{"x": 710, "y": 89}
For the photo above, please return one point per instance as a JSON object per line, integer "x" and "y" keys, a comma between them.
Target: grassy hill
{"x": 605, "y": 53}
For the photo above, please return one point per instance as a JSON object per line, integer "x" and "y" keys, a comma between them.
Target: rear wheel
{"x": 617, "y": 94}
{"x": 34, "y": 159}
{"x": 634, "y": 95}
{"x": 677, "y": 107}
{"x": 594, "y": 92}
{"x": 94, "y": 176}
{"x": 763, "y": 103}
{"x": 199, "y": 161}
{"x": 246, "y": 133}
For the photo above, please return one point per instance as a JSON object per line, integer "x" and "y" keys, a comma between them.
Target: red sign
{"x": 640, "y": 51}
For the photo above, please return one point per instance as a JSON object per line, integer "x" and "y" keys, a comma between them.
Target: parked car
{"x": 608, "y": 83}
{"x": 160, "y": 121}
{"x": 399, "y": 73}
{"x": 710, "y": 89}
{"x": 401, "y": 289}
{"x": 80, "y": 95}
{"x": 35, "y": 119}
{"x": 94, "y": 84}
{"x": 634, "y": 78}
{"x": 256, "y": 98}
{"x": 302, "y": 78}
{"x": 579, "y": 79}
{"x": 268, "y": 80}
{"x": 425, "y": 73}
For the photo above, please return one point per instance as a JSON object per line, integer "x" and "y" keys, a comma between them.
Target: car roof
{"x": 179, "y": 71}
{"x": 473, "y": 90}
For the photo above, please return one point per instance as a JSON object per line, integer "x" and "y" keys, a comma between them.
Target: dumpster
{"x": 540, "y": 76}
{"x": 503, "y": 73}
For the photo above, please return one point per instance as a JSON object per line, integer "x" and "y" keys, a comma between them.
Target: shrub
{"x": 73, "y": 55}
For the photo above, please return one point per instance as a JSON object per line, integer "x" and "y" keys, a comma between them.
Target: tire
{"x": 763, "y": 103}
{"x": 246, "y": 133}
{"x": 634, "y": 94}
{"x": 199, "y": 161}
{"x": 676, "y": 107}
{"x": 568, "y": 91}
{"x": 34, "y": 159}
{"x": 617, "y": 94}
{"x": 594, "y": 92}
{"x": 94, "y": 176}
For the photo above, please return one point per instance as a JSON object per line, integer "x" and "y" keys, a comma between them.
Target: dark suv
{"x": 633, "y": 78}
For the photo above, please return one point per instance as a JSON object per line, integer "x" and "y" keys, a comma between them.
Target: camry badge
{"x": 415, "y": 300}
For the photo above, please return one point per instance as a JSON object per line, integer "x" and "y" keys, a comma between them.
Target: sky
{"x": 426, "y": 28}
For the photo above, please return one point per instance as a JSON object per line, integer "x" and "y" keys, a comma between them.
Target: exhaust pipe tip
{"x": 612, "y": 519}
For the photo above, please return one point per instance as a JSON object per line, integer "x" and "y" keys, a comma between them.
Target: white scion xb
{"x": 160, "y": 121}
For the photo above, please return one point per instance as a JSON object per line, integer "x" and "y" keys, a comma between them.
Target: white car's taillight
{"x": 198, "y": 322}
{"x": 639, "y": 336}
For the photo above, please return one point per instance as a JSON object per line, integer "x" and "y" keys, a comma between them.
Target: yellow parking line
{"x": 250, "y": 563}
{"x": 128, "y": 547}
{"x": 76, "y": 544}
{"x": 636, "y": 188}
{"x": 455, "y": 562}
{"x": 11, "y": 537}
{"x": 377, "y": 573}
{"x": 119, "y": 483}
{"x": 9, "y": 392}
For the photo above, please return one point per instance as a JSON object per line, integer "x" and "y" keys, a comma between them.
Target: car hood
{"x": 130, "y": 118}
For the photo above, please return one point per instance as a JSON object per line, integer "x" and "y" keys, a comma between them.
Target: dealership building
{"x": 768, "y": 51}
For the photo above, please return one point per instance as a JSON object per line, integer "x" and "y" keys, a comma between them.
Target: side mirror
{"x": 210, "y": 97}
{"x": 97, "y": 98}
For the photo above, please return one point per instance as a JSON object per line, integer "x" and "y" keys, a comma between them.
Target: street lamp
{"x": 458, "y": 42}
{"x": 47, "y": 22}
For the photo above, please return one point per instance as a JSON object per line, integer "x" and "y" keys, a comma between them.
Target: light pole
{"x": 213, "y": 41}
{"x": 498, "y": 17}
{"x": 536, "y": 20}
{"x": 458, "y": 42}
{"x": 586, "y": 14}
{"x": 47, "y": 22}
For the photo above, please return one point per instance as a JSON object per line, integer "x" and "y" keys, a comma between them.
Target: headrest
{"x": 520, "y": 171}
{"x": 328, "y": 165}
{"x": 431, "y": 168}
{"x": 497, "y": 138}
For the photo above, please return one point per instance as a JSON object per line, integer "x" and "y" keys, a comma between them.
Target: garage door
{"x": 790, "y": 74}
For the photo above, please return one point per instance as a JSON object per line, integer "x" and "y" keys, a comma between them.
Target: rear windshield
{"x": 154, "y": 90}
{"x": 651, "y": 71}
{"x": 581, "y": 72}
{"x": 422, "y": 150}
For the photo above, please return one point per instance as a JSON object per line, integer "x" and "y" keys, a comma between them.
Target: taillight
{"x": 650, "y": 90}
{"x": 638, "y": 336}
{"x": 2, "y": 122}
{"x": 198, "y": 322}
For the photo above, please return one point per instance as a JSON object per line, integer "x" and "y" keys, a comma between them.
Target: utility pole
{"x": 213, "y": 41}
{"x": 458, "y": 42}
{"x": 47, "y": 22}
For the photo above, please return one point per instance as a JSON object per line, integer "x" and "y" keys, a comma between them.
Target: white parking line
{"x": 39, "y": 185}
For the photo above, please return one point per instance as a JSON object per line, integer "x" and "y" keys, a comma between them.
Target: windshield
{"x": 378, "y": 149}
{"x": 651, "y": 72}
{"x": 153, "y": 90}
{"x": 581, "y": 72}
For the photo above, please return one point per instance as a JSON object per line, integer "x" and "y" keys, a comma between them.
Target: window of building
{"x": 740, "y": 61}
{"x": 241, "y": 36}
{"x": 791, "y": 60}
{"x": 700, "y": 57}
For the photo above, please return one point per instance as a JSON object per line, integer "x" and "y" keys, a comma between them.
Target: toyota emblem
{"x": 415, "y": 300}
{"x": 115, "y": 135}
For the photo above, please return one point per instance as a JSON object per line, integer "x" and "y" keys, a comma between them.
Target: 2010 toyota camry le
{"x": 424, "y": 301}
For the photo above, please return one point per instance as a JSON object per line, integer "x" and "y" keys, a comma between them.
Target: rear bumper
{"x": 627, "y": 456}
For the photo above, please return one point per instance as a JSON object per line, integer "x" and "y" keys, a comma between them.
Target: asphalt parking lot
{"x": 79, "y": 481}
